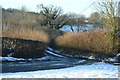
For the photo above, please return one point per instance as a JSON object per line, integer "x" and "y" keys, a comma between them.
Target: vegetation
{"x": 95, "y": 19}
{"x": 25, "y": 33}
{"x": 96, "y": 41}
{"x": 18, "y": 18}
{"x": 52, "y": 33}
{"x": 23, "y": 42}
{"x": 52, "y": 17}
{"x": 104, "y": 40}
{"x": 45, "y": 27}
{"x": 76, "y": 20}
{"x": 22, "y": 48}
{"x": 109, "y": 14}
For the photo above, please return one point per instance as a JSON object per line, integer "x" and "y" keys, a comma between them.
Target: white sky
{"x": 67, "y": 5}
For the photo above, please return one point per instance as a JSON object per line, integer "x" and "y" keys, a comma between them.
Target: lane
{"x": 41, "y": 65}
{"x": 44, "y": 65}
{"x": 53, "y": 61}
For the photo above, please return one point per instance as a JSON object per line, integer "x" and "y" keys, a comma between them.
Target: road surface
{"x": 53, "y": 60}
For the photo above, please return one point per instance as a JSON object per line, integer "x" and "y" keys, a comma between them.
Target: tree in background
{"x": 18, "y": 18}
{"x": 76, "y": 20}
{"x": 95, "y": 19}
{"x": 81, "y": 22}
{"x": 52, "y": 17}
{"x": 72, "y": 20}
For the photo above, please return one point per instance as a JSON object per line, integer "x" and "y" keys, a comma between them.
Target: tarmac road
{"x": 53, "y": 61}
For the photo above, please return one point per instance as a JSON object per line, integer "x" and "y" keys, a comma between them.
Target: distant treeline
{"x": 51, "y": 17}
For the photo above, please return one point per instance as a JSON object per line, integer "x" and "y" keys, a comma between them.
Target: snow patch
{"x": 21, "y": 59}
{"x": 53, "y": 53}
{"x": 80, "y": 61}
{"x": 111, "y": 60}
{"x": 10, "y": 59}
{"x": 9, "y": 55}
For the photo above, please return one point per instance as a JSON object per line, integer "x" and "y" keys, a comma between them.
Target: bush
{"x": 23, "y": 42}
{"x": 22, "y": 48}
{"x": 96, "y": 41}
{"x": 53, "y": 33}
{"x": 25, "y": 33}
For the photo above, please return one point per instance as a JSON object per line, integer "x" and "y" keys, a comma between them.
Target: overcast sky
{"x": 67, "y": 5}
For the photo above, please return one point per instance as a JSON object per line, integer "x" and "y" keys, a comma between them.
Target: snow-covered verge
{"x": 113, "y": 60}
{"x": 10, "y": 59}
{"x": 20, "y": 59}
{"x": 96, "y": 70}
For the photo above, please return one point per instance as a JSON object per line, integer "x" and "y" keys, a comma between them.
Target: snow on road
{"x": 96, "y": 70}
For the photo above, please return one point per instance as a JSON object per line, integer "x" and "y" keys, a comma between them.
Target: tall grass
{"x": 25, "y": 33}
{"x": 98, "y": 41}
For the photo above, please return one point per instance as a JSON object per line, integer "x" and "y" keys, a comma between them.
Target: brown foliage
{"x": 97, "y": 41}
{"x": 24, "y": 33}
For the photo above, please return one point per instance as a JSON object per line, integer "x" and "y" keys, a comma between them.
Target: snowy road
{"x": 56, "y": 65}
{"x": 96, "y": 70}
{"x": 51, "y": 61}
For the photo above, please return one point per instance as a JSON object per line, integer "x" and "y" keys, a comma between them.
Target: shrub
{"x": 96, "y": 41}
{"x": 25, "y": 33}
{"x": 53, "y": 33}
{"x": 25, "y": 43}
{"x": 22, "y": 48}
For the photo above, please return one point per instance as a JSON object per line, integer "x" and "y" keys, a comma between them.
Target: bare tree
{"x": 96, "y": 20}
{"x": 76, "y": 20}
{"x": 109, "y": 12}
{"x": 52, "y": 16}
